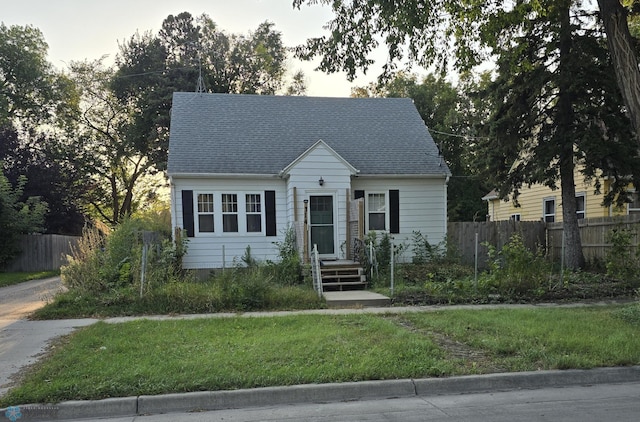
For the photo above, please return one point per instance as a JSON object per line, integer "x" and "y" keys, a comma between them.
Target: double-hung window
{"x": 230, "y": 212}
{"x": 581, "y": 205}
{"x": 205, "y": 213}
{"x": 377, "y": 211}
{"x": 253, "y": 212}
{"x": 549, "y": 210}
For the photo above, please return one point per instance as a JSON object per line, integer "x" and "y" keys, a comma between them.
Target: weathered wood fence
{"x": 537, "y": 235}
{"x": 44, "y": 252}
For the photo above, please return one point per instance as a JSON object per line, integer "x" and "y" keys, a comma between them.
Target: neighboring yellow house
{"x": 542, "y": 203}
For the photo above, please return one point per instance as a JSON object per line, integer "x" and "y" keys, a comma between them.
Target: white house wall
{"x": 422, "y": 207}
{"x": 305, "y": 176}
{"x": 206, "y": 250}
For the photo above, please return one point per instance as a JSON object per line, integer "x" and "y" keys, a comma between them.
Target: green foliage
{"x": 288, "y": 270}
{"x": 187, "y": 47}
{"x": 104, "y": 263}
{"x": 377, "y": 264}
{"x": 424, "y": 252}
{"x": 621, "y": 262}
{"x": 515, "y": 269}
{"x": 17, "y": 218}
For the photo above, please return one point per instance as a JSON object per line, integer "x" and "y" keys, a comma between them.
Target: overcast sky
{"x": 89, "y": 29}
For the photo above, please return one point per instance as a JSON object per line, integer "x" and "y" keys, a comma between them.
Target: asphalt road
{"x": 22, "y": 341}
{"x": 597, "y": 403}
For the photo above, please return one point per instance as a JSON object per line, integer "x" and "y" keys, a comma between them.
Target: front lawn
{"x": 153, "y": 357}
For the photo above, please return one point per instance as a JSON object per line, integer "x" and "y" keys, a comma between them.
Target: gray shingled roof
{"x": 260, "y": 134}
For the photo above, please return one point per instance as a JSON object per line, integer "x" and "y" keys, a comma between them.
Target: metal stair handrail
{"x": 315, "y": 270}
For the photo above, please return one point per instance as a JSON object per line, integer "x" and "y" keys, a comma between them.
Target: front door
{"x": 322, "y": 227}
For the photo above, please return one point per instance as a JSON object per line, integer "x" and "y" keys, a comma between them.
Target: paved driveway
{"x": 21, "y": 340}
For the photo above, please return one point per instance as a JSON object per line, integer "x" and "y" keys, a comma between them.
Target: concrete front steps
{"x": 356, "y": 299}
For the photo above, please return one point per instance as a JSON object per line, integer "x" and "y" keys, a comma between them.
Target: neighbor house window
{"x": 549, "y": 210}
{"x": 205, "y": 212}
{"x": 634, "y": 205}
{"x": 581, "y": 205}
{"x": 229, "y": 212}
{"x": 254, "y": 213}
{"x": 515, "y": 217}
{"x": 376, "y": 206}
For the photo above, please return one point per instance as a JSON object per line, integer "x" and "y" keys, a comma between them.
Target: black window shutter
{"x": 394, "y": 211}
{"x": 187, "y": 212}
{"x": 270, "y": 212}
{"x": 357, "y": 194}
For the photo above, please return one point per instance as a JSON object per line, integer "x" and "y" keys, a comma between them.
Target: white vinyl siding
{"x": 219, "y": 249}
{"x": 422, "y": 208}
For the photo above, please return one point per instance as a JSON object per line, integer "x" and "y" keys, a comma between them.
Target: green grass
{"x": 154, "y": 357}
{"x": 533, "y": 339}
{"x": 8, "y": 279}
{"x": 180, "y": 298}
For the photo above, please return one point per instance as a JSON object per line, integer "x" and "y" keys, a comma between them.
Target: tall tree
{"x": 624, "y": 55}
{"x": 190, "y": 54}
{"x": 449, "y": 116}
{"x": 35, "y": 103}
{"x": 536, "y": 125}
{"x": 104, "y": 149}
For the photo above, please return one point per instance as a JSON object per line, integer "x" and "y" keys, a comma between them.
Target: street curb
{"x": 325, "y": 393}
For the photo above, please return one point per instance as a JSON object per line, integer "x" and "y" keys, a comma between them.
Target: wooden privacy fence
{"x": 462, "y": 237}
{"x": 42, "y": 252}
{"x": 594, "y": 233}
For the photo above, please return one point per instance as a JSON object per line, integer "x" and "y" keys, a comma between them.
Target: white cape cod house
{"x": 244, "y": 169}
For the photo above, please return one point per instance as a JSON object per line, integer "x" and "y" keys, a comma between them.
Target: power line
{"x": 458, "y": 136}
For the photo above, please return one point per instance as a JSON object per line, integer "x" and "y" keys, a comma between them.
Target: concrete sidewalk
{"x": 323, "y": 393}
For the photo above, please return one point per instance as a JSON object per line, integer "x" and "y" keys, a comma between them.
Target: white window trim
{"x": 544, "y": 208}
{"x": 196, "y": 216}
{"x": 217, "y": 214}
{"x": 515, "y": 217}
{"x": 386, "y": 210}
{"x": 584, "y": 211}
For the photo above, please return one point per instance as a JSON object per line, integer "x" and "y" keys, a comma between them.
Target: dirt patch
{"x": 476, "y": 361}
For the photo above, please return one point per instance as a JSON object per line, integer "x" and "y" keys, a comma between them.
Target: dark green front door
{"x": 321, "y": 218}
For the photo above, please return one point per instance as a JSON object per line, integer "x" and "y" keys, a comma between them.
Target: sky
{"x": 90, "y": 29}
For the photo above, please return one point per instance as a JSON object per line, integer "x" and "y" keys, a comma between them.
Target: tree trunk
{"x": 574, "y": 258}
{"x": 614, "y": 18}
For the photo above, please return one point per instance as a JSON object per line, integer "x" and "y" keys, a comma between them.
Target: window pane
{"x": 376, "y": 221}
{"x": 229, "y": 202}
{"x": 205, "y": 202}
{"x": 230, "y": 222}
{"x": 321, "y": 210}
{"x": 376, "y": 202}
{"x": 549, "y": 207}
{"x": 253, "y": 203}
{"x": 254, "y": 223}
{"x": 205, "y": 223}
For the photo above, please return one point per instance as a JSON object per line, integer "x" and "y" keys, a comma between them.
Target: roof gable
{"x": 256, "y": 134}
{"x": 319, "y": 144}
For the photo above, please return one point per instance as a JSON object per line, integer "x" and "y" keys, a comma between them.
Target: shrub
{"x": 100, "y": 263}
{"x": 621, "y": 263}
{"x": 515, "y": 270}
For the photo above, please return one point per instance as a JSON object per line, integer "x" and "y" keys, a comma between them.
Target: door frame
{"x": 333, "y": 195}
